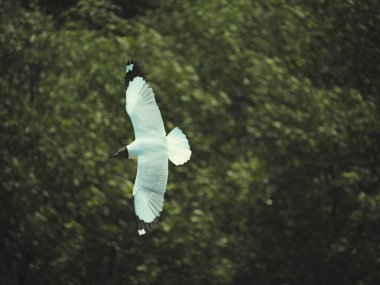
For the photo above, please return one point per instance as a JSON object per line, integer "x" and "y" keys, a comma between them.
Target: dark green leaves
{"x": 279, "y": 103}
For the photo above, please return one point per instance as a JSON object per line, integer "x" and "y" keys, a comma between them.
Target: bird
{"x": 152, "y": 148}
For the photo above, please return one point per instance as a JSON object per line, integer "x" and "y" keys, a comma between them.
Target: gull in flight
{"x": 152, "y": 148}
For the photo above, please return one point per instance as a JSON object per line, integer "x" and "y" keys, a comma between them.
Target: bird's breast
{"x": 139, "y": 147}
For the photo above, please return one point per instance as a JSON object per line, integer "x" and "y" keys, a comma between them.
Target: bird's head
{"x": 121, "y": 153}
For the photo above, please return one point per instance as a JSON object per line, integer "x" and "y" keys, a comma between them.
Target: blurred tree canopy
{"x": 280, "y": 102}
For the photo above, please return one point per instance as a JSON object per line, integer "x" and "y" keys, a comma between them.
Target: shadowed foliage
{"x": 279, "y": 101}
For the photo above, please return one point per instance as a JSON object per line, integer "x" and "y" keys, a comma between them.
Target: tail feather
{"x": 179, "y": 148}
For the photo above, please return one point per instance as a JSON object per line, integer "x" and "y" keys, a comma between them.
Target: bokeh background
{"x": 280, "y": 102}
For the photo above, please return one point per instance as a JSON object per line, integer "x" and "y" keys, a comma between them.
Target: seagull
{"x": 152, "y": 148}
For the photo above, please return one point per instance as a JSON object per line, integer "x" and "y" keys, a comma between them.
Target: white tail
{"x": 178, "y": 146}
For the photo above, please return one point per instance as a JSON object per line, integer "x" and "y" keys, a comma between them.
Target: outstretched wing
{"x": 152, "y": 167}
{"x": 141, "y": 105}
{"x": 149, "y": 189}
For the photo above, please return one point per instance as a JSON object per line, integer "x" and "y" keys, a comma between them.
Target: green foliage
{"x": 279, "y": 102}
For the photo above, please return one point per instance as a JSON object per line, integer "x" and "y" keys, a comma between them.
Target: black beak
{"x": 122, "y": 153}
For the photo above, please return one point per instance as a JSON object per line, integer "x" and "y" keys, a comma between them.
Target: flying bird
{"x": 152, "y": 148}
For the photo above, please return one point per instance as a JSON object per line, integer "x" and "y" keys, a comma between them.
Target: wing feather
{"x": 142, "y": 108}
{"x": 150, "y": 186}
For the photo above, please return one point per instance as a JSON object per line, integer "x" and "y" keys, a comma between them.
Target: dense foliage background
{"x": 280, "y": 102}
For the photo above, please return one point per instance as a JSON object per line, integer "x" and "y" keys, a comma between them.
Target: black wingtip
{"x": 145, "y": 228}
{"x": 131, "y": 61}
{"x": 132, "y": 70}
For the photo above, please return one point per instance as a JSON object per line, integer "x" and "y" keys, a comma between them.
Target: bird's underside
{"x": 151, "y": 147}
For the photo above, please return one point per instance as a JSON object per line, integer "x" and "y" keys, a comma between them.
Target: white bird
{"x": 152, "y": 148}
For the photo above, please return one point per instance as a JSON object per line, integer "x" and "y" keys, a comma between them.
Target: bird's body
{"x": 152, "y": 148}
{"x": 148, "y": 146}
